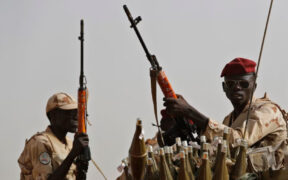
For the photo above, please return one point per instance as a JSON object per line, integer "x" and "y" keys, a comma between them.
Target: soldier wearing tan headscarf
{"x": 50, "y": 154}
{"x": 266, "y": 125}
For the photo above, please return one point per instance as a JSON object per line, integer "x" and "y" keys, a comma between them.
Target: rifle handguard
{"x": 81, "y": 111}
{"x": 165, "y": 85}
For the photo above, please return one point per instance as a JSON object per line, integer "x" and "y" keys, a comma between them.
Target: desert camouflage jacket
{"x": 42, "y": 154}
{"x": 266, "y": 128}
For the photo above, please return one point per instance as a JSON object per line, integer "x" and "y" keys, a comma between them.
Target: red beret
{"x": 238, "y": 66}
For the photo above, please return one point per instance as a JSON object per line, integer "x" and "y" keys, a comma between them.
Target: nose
{"x": 237, "y": 86}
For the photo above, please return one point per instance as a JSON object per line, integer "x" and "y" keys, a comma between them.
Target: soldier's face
{"x": 238, "y": 88}
{"x": 67, "y": 120}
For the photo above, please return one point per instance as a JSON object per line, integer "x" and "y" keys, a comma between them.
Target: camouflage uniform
{"x": 266, "y": 127}
{"x": 43, "y": 154}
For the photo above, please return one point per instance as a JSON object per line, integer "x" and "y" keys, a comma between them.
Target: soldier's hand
{"x": 167, "y": 121}
{"x": 80, "y": 142}
{"x": 180, "y": 107}
{"x": 177, "y": 107}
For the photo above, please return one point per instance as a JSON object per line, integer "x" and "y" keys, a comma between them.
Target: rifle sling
{"x": 153, "y": 77}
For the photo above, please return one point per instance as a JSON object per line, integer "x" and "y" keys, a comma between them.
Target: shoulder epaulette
{"x": 33, "y": 137}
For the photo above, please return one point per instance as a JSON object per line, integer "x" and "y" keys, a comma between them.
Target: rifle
{"x": 82, "y": 160}
{"x": 156, "y": 74}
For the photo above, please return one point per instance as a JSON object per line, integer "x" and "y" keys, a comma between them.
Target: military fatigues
{"x": 266, "y": 127}
{"x": 42, "y": 155}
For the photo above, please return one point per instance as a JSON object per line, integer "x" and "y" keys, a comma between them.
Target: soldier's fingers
{"x": 165, "y": 104}
{"x": 171, "y": 101}
{"x": 84, "y": 138}
{"x": 170, "y": 104}
{"x": 171, "y": 113}
{"x": 170, "y": 109}
{"x": 76, "y": 136}
{"x": 80, "y": 134}
{"x": 84, "y": 142}
{"x": 179, "y": 96}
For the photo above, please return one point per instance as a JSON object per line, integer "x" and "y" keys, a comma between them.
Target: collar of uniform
{"x": 254, "y": 101}
{"x": 247, "y": 105}
{"x": 230, "y": 118}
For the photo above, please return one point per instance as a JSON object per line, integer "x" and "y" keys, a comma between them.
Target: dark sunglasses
{"x": 232, "y": 83}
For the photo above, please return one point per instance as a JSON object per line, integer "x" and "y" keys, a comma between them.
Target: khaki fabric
{"x": 35, "y": 166}
{"x": 261, "y": 159}
{"x": 122, "y": 177}
{"x": 61, "y": 101}
{"x": 266, "y": 127}
{"x": 281, "y": 174}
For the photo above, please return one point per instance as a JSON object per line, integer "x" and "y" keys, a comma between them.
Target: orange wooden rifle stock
{"x": 82, "y": 111}
{"x": 165, "y": 85}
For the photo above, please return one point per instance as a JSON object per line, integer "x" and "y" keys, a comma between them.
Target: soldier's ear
{"x": 255, "y": 86}
{"x": 51, "y": 116}
{"x": 224, "y": 87}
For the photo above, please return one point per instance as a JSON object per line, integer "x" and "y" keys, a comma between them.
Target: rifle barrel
{"x": 134, "y": 26}
{"x": 81, "y": 38}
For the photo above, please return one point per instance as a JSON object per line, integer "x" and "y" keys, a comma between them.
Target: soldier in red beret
{"x": 266, "y": 124}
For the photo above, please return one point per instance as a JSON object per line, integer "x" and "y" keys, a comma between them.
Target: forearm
{"x": 63, "y": 169}
{"x": 198, "y": 118}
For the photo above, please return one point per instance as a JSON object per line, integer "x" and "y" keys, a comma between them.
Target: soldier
{"x": 50, "y": 154}
{"x": 266, "y": 124}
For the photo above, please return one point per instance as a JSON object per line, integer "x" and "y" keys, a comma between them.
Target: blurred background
{"x": 193, "y": 40}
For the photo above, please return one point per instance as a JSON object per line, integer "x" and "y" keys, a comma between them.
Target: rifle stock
{"x": 165, "y": 85}
{"x": 82, "y": 111}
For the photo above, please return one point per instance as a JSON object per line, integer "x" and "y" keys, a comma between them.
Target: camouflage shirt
{"x": 43, "y": 154}
{"x": 266, "y": 127}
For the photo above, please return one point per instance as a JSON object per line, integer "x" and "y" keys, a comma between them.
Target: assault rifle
{"x": 157, "y": 74}
{"x": 83, "y": 159}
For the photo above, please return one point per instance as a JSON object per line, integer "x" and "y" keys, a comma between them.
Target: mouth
{"x": 236, "y": 96}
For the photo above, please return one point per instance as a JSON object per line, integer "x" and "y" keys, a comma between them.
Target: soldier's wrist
{"x": 73, "y": 153}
